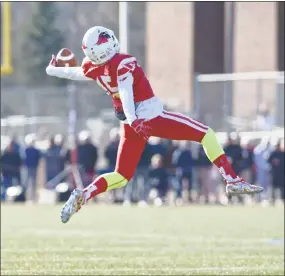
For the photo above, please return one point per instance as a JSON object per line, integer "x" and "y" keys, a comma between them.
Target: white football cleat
{"x": 241, "y": 187}
{"x": 72, "y": 205}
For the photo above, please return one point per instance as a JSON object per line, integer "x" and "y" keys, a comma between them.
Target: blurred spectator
{"x": 111, "y": 157}
{"x": 112, "y": 149}
{"x": 138, "y": 187}
{"x": 158, "y": 178}
{"x": 261, "y": 154}
{"x": 276, "y": 162}
{"x": 71, "y": 152}
{"x": 17, "y": 147}
{"x": 234, "y": 152}
{"x": 87, "y": 156}
{"x": 31, "y": 162}
{"x": 183, "y": 162}
{"x": 54, "y": 159}
{"x": 59, "y": 141}
{"x": 70, "y": 159}
{"x": 264, "y": 120}
{"x": 168, "y": 157}
{"x": 159, "y": 147}
{"x": 245, "y": 161}
{"x": 249, "y": 172}
{"x": 204, "y": 174}
{"x": 167, "y": 161}
{"x": 11, "y": 163}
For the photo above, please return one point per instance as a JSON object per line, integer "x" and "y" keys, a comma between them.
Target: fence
{"x": 232, "y": 101}
{"x": 224, "y": 101}
{"x": 47, "y": 110}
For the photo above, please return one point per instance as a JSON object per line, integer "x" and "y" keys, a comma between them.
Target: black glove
{"x": 120, "y": 114}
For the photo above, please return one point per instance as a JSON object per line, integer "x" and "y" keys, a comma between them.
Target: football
{"x": 65, "y": 58}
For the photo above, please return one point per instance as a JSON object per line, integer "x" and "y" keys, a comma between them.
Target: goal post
{"x": 6, "y": 57}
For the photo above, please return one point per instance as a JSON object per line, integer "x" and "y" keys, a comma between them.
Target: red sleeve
{"x": 127, "y": 65}
{"x": 89, "y": 69}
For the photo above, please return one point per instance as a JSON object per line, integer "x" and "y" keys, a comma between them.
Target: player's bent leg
{"x": 78, "y": 198}
{"x": 129, "y": 153}
{"x": 215, "y": 153}
{"x": 176, "y": 126}
{"x": 72, "y": 205}
{"x": 105, "y": 182}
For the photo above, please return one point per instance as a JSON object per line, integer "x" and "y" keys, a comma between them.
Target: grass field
{"x": 116, "y": 240}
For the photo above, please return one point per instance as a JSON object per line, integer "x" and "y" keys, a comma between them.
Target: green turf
{"x": 116, "y": 240}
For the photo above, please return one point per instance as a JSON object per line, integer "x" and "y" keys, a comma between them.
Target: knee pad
{"x": 211, "y": 145}
{"x": 115, "y": 180}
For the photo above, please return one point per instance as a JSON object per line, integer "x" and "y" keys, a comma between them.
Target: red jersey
{"x": 118, "y": 68}
{"x": 124, "y": 80}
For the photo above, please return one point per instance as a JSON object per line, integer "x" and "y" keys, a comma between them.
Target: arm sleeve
{"x": 125, "y": 87}
{"x": 71, "y": 73}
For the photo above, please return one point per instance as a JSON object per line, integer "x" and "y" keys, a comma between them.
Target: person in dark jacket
{"x": 235, "y": 154}
{"x": 87, "y": 156}
{"x": 16, "y": 145}
{"x": 183, "y": 162}
{"x": 11, "y": 163}
{"x": 112, "y": 149}
{"x": 31, "y": 162}
{"x": 159, "y": 147}
{"x": 54, "y": 159}
{"x": 111, "y": 157}
{"x": 204, "y": 170}
{"x": 276, "y": 162}
{"x": 158, "y": 178}
{"x": 249, "y": 166}
{"x": 19, "y": 149}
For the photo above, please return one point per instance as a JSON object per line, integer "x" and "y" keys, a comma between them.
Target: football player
{"x": 142, "y": 113}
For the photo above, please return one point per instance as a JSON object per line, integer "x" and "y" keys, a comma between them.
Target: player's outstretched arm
{"x": 71, "y": 73}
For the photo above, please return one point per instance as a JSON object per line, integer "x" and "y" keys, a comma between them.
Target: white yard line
{"x": 142, "y": 236}
{"x": 156, "y": 269}
{"x": 134, "y": 259}
{"x": 109, "y": 248}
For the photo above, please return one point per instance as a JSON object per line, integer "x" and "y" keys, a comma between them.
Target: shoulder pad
{"x": 85, "y": 60}
{"x": 127, "y": 65}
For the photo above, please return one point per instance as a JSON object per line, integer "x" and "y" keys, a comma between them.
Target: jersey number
{"x": 105, "y": 83}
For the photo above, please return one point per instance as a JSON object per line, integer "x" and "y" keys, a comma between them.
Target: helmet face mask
{"x": 100, "y": 44}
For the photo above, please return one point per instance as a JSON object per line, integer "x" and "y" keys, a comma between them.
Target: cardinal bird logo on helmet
{"x": 103, "y": 38}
